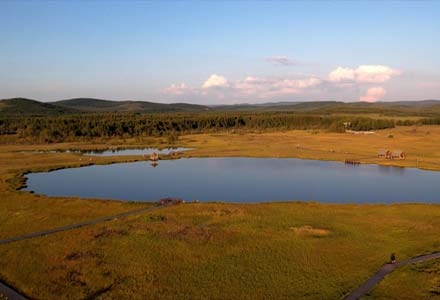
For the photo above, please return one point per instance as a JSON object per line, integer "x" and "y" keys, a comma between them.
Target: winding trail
{"x": 9, "y": 293}
{"x": 385, "y": 270}
{"x": 78, "y": 225}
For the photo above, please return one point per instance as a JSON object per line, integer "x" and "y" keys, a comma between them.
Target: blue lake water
{"x": 242, "y": 180}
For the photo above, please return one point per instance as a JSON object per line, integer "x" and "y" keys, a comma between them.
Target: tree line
{"x": 74, "y": 127}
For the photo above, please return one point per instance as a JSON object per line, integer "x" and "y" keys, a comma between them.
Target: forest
{"x": 49, "y": 129}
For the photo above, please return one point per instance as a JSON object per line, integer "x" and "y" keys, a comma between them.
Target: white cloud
{"x": 363, "y": 74}
{"x": 281, "y": 61}
{"x": 373, "y": 94}
{"x": 259, "y": 87}
{"x": 178, "y": 89}
{"x": 264, "y": 87}
{"x": 342, "y": 74}
{"x": 341, "y": 81}
{"x": 215, "y": 81}
{"x": 374, "y": 74}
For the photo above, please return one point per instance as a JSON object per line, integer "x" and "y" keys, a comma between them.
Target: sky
{"x": 220, "y": 52}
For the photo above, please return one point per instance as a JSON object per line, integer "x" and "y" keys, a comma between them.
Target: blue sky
{"x": 220, "y": 52}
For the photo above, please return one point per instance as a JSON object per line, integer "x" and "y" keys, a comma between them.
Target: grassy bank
{"x": 23, "y": 212}
{"x": 215, "y": 251}
{"x": 419, "y": 143}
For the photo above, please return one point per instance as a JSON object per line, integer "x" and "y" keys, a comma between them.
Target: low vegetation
{"x": 216, "y": 250}
{"x": 223, "y": 251}
{"x": 23, "y": 212}
{"x": 420, "y": 281}
{"x": 418, "y": 142}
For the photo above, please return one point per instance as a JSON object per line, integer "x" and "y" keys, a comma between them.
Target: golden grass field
{"x": 420, "y": 281}
{"x": 417, "y": 142}
{"x": 220, "y": 251}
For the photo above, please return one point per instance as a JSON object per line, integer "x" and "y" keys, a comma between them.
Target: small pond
{"x": 244, "y": 180}
{"x": 120, "y": 151}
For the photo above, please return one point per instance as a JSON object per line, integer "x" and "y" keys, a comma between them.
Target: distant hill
{"x": 23, "y": 106}
{"x": 277, "y": 106}
{"x": 98, "y": 105}
{"x": 426, "y": 108}
{"x": 419, "y": 103}
{"x": 308, "y": 106}
{"x": 398, "y": 108}
{"x": 28, "y": 107}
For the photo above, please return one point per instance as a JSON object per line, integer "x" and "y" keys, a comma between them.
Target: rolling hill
{"x": 22, "y": 106}
{"x": 98, "y": 105}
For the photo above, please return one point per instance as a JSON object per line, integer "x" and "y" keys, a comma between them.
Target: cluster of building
{"x": 388, "y": 154}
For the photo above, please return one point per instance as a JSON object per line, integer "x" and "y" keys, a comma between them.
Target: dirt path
{"x": 364, "y": 288}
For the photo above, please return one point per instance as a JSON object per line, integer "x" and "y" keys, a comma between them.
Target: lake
{"x": 246, "y": 180}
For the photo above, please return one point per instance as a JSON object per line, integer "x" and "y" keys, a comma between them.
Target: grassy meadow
{"x": 417, "y": 142}
{"x": 289, "y": 250}
{"x": 223, "y": 251}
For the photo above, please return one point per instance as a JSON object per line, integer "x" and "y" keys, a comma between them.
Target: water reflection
{"x": 391, "y": 170}
{"x": 154, "y": 164}
{"x": 242, "y": 180}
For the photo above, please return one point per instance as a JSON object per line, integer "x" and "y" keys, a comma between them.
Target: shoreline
{"x": 20, "y": 180}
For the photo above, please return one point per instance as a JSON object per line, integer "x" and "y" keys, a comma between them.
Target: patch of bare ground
{"x": 308, "y": 230}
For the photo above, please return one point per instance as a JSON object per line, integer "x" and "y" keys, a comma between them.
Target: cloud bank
{"x": 269, "y": 87}
{"x": 363, "y": 74}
